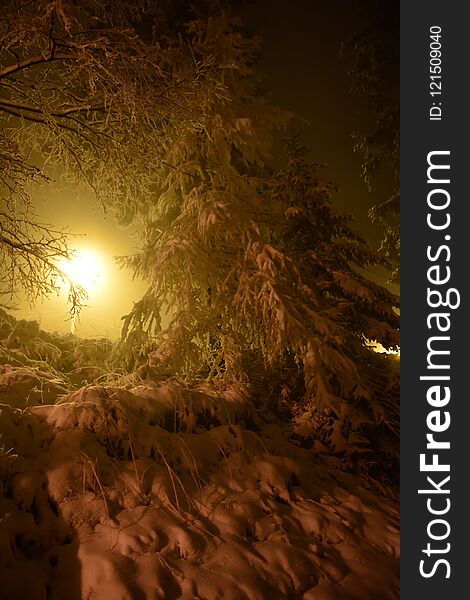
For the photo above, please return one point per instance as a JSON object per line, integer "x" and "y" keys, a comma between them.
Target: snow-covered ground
{"x": 162, "y": 492}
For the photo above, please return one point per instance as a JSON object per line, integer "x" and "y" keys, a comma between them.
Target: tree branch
{"x": 58, "y": 113}
{"x": 34, "y": 60}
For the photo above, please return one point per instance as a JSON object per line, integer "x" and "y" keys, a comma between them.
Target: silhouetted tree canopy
{"x": 374, "y": 51}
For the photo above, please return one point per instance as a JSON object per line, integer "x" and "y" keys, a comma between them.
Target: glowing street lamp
{"x": 84, "y": 269}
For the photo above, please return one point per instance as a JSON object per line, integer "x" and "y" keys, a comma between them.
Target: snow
{"x": 161, "y": 492}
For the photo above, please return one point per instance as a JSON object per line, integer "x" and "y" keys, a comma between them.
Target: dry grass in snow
{"x": 164, "y": 492}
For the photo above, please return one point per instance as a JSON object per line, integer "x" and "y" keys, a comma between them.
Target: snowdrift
{"x": 166, "y": 492}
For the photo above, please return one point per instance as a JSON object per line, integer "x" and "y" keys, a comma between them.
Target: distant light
{"x": 377, "y": 347}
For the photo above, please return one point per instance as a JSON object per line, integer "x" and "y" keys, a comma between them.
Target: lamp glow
{"x": 84, "y": 269}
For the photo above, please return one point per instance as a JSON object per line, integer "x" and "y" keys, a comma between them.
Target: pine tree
{"x": 327, "y": 311}
{"x": 205, "y": 210}
{"x": 254, "y": 272}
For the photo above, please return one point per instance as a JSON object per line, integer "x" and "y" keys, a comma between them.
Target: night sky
{"x": 304, "y": 73}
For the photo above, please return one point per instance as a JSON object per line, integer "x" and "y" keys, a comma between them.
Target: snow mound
{"x": 159, "y": 492}
{"x": 23, "y": 386}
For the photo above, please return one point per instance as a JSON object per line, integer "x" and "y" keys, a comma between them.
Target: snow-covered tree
{"x": 252, "y": 271}
{"x": 30, "y": 251}
{"x": 88, "y": 93}
{"x": 204, "y": 208}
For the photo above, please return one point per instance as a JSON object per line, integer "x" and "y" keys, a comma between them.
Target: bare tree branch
{"x": 86, "y": 97}
{"x": 20, "y": 65}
